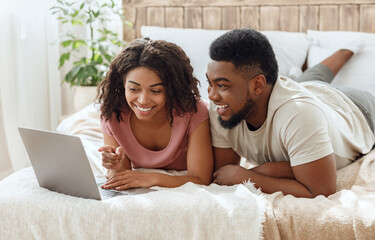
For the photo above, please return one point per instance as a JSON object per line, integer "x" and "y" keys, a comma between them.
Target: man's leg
{"x": 326, "y": 71}
{"x": 328, "y": 68}
{"x": 364, "y": 100}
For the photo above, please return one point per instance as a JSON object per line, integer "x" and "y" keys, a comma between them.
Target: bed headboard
{"x": 283, "y": 15}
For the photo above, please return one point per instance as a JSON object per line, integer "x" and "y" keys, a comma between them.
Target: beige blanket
{"x": 347, "y": 214}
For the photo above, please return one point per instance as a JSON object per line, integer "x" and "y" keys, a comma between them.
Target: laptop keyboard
{"x": 107, "y": 193}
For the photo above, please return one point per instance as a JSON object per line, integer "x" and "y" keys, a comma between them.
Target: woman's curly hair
{"x": 167, "y": 60}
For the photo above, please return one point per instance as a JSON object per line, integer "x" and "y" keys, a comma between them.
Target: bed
{"x": 301, "y": 34}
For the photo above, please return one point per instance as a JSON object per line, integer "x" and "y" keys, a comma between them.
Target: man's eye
{"x": 221, "y": 85}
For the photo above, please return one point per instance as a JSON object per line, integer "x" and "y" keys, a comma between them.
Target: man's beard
{"x": 238, "y": 117}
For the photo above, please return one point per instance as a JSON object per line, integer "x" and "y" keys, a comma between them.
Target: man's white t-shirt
{"x": 305, "y": 122}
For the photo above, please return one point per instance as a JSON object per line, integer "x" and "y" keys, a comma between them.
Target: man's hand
{"x": 231, "y": 175}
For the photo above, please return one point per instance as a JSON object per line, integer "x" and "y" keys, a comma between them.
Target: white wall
{"x": 5, "y": 165}
{"x": 30, "y": 88}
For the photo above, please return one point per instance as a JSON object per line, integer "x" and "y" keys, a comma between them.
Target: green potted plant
{"x": 89, "y": 46}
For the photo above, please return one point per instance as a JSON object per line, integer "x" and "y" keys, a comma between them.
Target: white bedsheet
{"x": 188, "y": 212}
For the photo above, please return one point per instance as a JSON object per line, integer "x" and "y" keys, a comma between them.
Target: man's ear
{"x": 258, "y": 83}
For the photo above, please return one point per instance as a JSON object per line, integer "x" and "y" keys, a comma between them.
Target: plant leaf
{"x": 75, "y": 13}
{"x": 75, "y": 22}
{"x": 108, "y": 57}
{"x": 99, "y": 59}
{"x": 128, "y": 23}
{"x": 96, "y": 14}
{"x": 66, "y": 43}
{"x": 63, "y": 58}
{"x": 91, "y": 70}
{"x": 72, "y": 74}
{"x": 81, "y": 75}
{"x": 77, "y": 43}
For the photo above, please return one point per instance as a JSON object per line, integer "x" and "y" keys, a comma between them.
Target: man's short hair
{"x": 248, "y": 50}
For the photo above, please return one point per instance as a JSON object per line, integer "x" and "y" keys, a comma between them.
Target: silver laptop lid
{"x": 60, "y": 162}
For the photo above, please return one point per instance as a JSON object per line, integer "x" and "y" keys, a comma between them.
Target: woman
{"x": 152, "y": 117}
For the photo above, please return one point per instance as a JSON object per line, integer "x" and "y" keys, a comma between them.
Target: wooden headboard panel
{"x": 284, "y": 15}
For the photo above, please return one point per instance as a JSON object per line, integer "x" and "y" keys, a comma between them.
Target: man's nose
{"x": 212, "y": 93}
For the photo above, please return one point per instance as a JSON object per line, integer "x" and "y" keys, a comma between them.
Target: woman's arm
{"x": 199, "y": 166}
{"x": 200, "y": 161}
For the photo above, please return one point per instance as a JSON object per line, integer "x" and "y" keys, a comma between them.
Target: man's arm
{"x": 311, "y": 179}
{"x": 275, "y": 169}
{"x": 225, "y": 156}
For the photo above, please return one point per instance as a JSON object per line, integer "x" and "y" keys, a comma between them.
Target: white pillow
{"x": 358, "y": 72}
{"x": 290, "y": 48}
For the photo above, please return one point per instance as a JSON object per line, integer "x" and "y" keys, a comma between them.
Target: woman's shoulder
{"x": 124, "y": 114}
{"x": 202, "y": 114}
{"x": 202, "y": 109}
{"x": 202, "y": 105}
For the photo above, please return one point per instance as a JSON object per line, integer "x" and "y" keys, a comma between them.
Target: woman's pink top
{"x": 173, "y": 156}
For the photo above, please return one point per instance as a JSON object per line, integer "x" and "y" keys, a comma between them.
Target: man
{"x": 298, "y": 133}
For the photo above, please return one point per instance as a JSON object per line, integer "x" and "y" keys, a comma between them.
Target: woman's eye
{"x": 132, "y": 89}
{"x": 221, "y": 85}
{"x": 156, "y": 91}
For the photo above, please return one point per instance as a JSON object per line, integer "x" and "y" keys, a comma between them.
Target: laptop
{"x": 60, "y": 164}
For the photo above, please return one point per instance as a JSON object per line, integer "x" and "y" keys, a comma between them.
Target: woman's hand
{"x": 113, "y": 158}
{"x": 130, "y": 179}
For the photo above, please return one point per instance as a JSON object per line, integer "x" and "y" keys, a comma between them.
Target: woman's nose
{"x": 143, "y": 98}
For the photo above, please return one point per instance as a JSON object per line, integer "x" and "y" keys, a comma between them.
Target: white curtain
{"x": 30, "y": 84}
